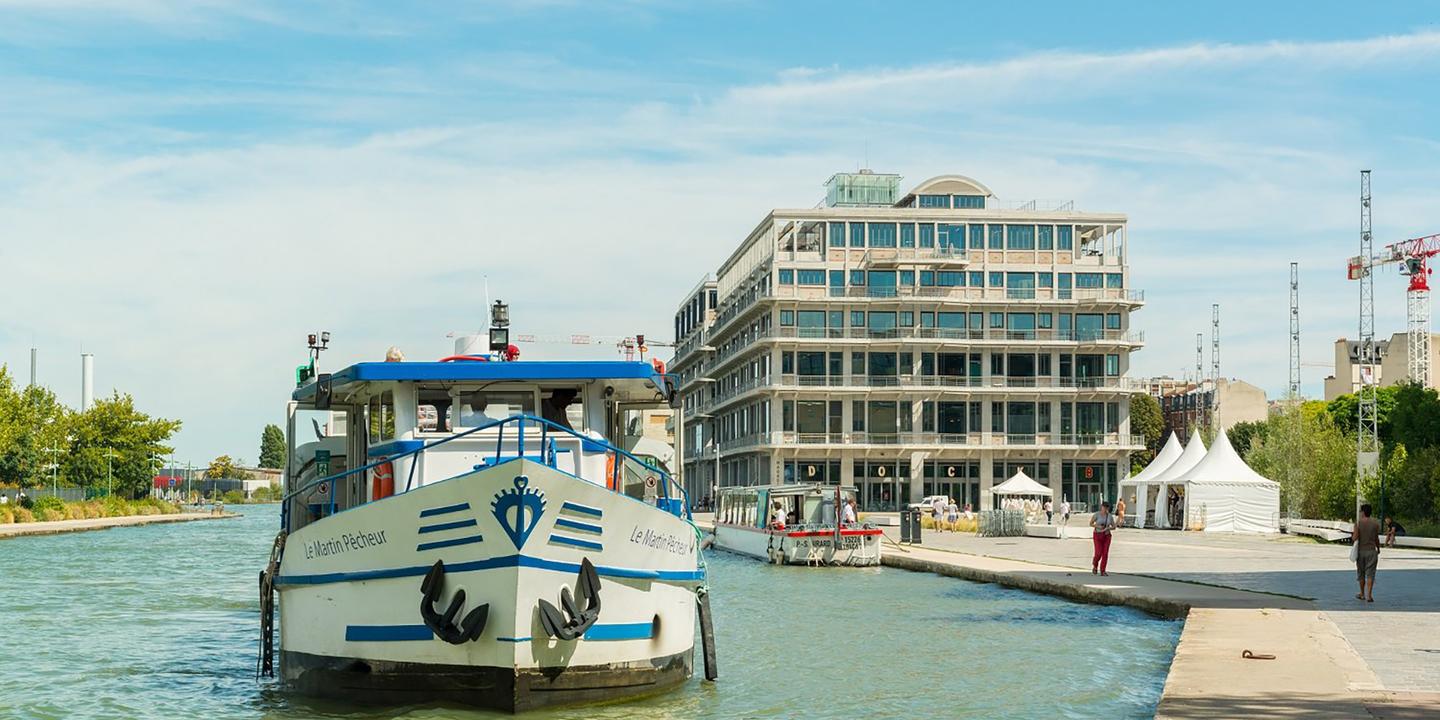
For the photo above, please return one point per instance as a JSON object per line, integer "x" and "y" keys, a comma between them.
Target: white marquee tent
{"x": 1155, "y": 489}
{"x": 1020, "y": 484}
{"x": 1223, "y": 494}
{"x": 1134, "y": 488}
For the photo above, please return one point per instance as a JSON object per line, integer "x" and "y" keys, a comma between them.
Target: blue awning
{"x": 471, "y": 371}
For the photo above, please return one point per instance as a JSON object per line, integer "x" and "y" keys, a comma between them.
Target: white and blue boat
{"x": 482, "y": 532}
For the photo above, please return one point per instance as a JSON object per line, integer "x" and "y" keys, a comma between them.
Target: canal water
{"x": 160, "y": 622}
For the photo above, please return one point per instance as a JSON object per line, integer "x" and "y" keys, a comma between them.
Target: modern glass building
{"x": 934, "y": 342}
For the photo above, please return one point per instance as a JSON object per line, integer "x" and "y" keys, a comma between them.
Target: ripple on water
{"x": 160, "y": 622}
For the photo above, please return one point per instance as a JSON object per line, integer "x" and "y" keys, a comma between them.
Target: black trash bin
{"x": 915, "y": 515}
{"x": 905, "y": 524}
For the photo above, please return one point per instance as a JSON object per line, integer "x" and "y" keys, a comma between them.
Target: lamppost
{"x": 109, "y": 472}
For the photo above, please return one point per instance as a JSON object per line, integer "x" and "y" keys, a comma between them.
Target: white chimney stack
{"x": 87, "y": 381}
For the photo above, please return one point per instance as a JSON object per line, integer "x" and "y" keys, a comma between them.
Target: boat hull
{"x": 858, "y": 547}
{"x": 351, "y": 600}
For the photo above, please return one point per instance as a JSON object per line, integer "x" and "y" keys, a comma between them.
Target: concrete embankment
{"x": 1314, "y": 673}
{"x": 10, "y": 530}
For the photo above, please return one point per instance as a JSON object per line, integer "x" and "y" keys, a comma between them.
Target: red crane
{"x": 1413, "y": 256}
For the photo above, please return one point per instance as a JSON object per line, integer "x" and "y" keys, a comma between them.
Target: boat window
{"x": 432, "y": 409}
{"x": 382, "y": 417}
{"x": 563, "y": 407}
{"x": 482, "y": 406}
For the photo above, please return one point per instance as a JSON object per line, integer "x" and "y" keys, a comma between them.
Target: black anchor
{"x": 442, "y": 625}
{"x": 574, "y": 622}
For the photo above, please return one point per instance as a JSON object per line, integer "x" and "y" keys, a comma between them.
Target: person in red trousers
{"x": 1104, "y": 524}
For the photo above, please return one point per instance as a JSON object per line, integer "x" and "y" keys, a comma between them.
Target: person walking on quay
{"x": 1049, "y": 513}
{"x": 1119, "y": 512}
{"x": 1104, "y": 524}
{"x": 1366, "y": 540}
{"x": 1064, "y": 516}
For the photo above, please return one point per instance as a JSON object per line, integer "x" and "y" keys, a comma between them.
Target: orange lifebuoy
{"x": 382, "y": 481}
{"x": 659, "y": 365}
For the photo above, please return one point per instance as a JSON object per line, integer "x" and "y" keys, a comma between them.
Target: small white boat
{"x": 810, "y": 535}
{"x": 481, "y": 532}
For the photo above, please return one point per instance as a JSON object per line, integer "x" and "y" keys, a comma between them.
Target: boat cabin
{"x": 410, "y": 424}
{"x": 806, "y": 505}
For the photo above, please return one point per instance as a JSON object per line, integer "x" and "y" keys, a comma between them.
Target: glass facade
{"x": 913, "y": 350}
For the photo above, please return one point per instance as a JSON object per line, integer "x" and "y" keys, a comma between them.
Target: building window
{"x": 927, "y": 278}
{"x": 1044, "y": 279}
{"x": 1114, "y": 280}
{"x": 997, "y": 417}
{"x": 907, "y": 235}
{"x": 977, "y": 279}
{"x": 857, "y": 416}
{"x": 787, "y": 277}
{"x": 927, "y": 235}
{"x": 977, "y": 237}
{"x": 1020, "y": 237}
{"x": 857, "y": 318}
{"x": 837, "y": 234}
{"x": 882, "y": 235}
{"x": 1112, "y": 365}
{"x": 787, "y": 363}
{"x": 969, "y": 202}
{"x": 935, "y": 201}
{"x": 787, "y": 318}
{"x": 1042, "y": 321}
{"x": 837, "y": 364}
{"x": 997, "y": 320}
{"x": 950, "y": 278}
{"x": 1063, "y": 237}
{"x": 996, "y": 234}
{"x": 907, "y": 318}
{"x": 837, "y": 320}
{"x": 1046, "y": 237}
{"x": 951, "y": 236}
{"x": 857, "y": 277}
{"x": 857, "y": 363}
{"x": 1112, "y": 321}
{"x": 857, "y": 235}
{"x": 907, "y": 278}
{"x": 1089, "y": 281}
{"x": 997, "y": 279}
{"x": 788, "y": 420}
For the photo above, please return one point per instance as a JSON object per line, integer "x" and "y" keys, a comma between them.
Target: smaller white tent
{"x": 1134, "y": 488}
{"x": 1162, "y": 481}
{"x": 1021, "y": 484}
{"x": 1224, "y": 494}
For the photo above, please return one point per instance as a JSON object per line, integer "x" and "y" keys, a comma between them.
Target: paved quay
{"x": 1294, "y": 599}
{"x": 11, "y": 530}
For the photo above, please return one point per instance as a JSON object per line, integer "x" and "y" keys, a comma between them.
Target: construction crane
{"x": 1413, "y": 258}
{"x": 628, "y": 346}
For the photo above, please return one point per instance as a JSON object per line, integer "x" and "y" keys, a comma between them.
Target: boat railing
{"x": 545, "y": 445}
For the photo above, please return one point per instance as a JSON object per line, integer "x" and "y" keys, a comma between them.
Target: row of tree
{"x": 1309, "y": 449}
{"x": 110, "y": 444}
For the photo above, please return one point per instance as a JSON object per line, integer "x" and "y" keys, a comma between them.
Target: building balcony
{"x": 1116, "y": 296}
{"x": 924, "y": 384}
{"x": 1120, "y": 442}
{"x": 911, "y": 256}
{"x": 993, "y": 335}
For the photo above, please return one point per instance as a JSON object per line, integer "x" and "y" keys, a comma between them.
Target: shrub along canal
{"x": 161, "y": 622}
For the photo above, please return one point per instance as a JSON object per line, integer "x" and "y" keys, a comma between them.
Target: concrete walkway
{"x": 10, "y": 530}
{"x": 1236, "y": 593}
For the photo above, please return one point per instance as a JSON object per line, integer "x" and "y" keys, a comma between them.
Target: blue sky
{"x": 180, "y": 174}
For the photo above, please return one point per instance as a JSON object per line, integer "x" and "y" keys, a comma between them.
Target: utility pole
{"x": 1214, "y": 363}
{"x": 1294, "y": 331}
{"x": 1367, "y": 435}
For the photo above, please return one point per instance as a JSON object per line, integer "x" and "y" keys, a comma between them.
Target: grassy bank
{"x": 48, "y": 508}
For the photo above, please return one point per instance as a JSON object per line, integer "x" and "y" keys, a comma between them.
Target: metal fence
{"x": 68, "y": 494}
{"x": 1001, "y": 523}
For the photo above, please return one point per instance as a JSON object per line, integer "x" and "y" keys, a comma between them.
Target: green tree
{"x": 112, "y": 443}
{"x": 1311, "y": 458}
{"x": 223, "y": 467}
{"x": 34, "y": 428}
{"x": 1343, "y": 411}
{"x": 1415, "y": 416}
{"x": 1146, "y": 420}
{"x": 1241, "y": 434}
{"x": 272, "y": 447}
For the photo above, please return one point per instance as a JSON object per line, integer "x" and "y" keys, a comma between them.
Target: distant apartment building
{"x": 1187, "y": 405}
{"x": 930, "y": 342}
{"x": 1392, "y": 368}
